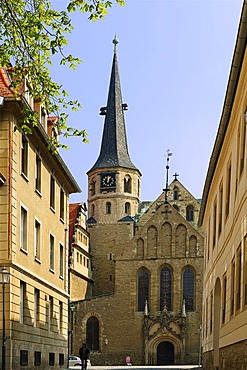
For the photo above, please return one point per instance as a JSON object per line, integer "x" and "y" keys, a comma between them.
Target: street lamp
{"x": 72, "y": 308}
{"x": 4, "y": 279}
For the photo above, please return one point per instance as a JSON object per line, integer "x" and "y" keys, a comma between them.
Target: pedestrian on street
{"x": 84, "y": 353}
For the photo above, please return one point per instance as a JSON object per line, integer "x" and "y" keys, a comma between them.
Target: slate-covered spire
{"x": 114, "y": 149}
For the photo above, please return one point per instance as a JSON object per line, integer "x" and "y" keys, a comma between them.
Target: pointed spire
{"x": 114, "y": 149}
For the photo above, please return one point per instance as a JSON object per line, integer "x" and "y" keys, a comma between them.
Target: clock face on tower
{"x": 108, "y": 180}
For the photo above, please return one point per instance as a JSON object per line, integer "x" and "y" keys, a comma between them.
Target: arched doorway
{"x": 165, "y": 353}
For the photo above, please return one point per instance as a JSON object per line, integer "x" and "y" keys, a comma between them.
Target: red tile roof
{"x": 73, "y": 214}
{"x": 5, "y": 89}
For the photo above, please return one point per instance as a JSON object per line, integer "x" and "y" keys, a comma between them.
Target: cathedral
{"x": 144, "y": 301}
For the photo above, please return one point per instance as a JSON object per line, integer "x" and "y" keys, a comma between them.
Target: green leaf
{"x": 31, "y": 33}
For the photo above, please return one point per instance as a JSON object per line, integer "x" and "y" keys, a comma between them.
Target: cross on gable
{"x": 176, "y": 175}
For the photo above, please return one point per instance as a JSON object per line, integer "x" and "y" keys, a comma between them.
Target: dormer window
{"x": 24, "y": 155}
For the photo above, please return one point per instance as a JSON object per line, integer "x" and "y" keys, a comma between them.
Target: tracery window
{"x": 92, "y": 333}
{"x": 166, "y": 288}
{"x": 143, "y": 288}
{"x": 189, "y": 289}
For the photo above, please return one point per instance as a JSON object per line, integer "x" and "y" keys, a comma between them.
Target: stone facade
{"x": 99, "y": 196}
{"x": 120, "y": 252}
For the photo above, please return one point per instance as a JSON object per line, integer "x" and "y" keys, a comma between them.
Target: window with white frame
{"x": 61, "y": 204}
{"x": 23, "y": 233}
{"x": 38, "y": 174}
{"x": 52, "y": 192}
{"x": 24, "y": 155}
{"x": 37, "y": 239}
{"x": 52, "y": 252}
{"x": 61, "y": 262}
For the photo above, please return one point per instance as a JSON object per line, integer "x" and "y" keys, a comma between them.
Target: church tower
{"x": 113, "y": 181}
{"x": 113, "y": 190}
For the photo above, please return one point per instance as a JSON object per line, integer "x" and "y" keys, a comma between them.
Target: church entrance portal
{"x": 165, "y": 354}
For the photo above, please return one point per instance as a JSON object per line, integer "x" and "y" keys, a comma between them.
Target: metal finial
{"x": 115, "y": 42}
{"x": 169, "y": 154}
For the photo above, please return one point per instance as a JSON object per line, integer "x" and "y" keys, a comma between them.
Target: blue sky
{"x": 174, "y": 61}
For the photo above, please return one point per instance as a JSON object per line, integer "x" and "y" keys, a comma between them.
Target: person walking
{"x": 84, "y": 353}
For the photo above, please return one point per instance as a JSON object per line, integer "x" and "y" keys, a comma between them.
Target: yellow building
{"x": 223, "y": 216}
{"x": 34, "y": 211}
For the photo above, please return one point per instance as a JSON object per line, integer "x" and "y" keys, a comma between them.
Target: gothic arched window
{"x": 108, "y": 208}
{"x": 143, "y": 289}
{"x": 127, "y": 208}
{"x": 92, "y": 333}
{"x": 175, "y": 193}
{"x": 127, "y": 184}
{"x": 166, "y": 288}
{"x": 189, "y": 288}
{"x": 190, "y": 213}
